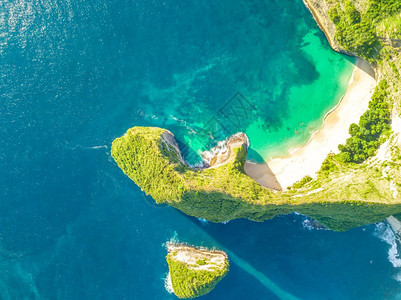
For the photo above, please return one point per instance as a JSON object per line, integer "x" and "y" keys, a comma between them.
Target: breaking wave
{"x": 384, "y": 232}
{"x": 168, "y": 284}
{"x": 310, "y": 224}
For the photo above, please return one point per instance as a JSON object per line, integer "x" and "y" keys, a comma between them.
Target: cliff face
{"x": 319, "y": 9}
{"x": 367, "y": 29}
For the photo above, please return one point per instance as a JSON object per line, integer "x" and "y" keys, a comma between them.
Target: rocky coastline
{"x": 319, "y": 11}
{"x": 222, "y": 153}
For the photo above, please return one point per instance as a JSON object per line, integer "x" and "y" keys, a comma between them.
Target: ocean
{"x": 74, "y": 75}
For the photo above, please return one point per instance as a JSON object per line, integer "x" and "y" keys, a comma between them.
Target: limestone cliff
{"x": 319, "y": 9}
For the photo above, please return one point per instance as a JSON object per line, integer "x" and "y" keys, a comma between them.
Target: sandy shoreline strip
{"x": 307, "y": 159}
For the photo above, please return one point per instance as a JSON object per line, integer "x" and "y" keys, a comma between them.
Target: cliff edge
{"x": 319, "y": 10}
{"x": 343, "y": 199}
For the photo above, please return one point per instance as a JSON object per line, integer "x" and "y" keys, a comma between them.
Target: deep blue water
{"x": 74, "y": 75}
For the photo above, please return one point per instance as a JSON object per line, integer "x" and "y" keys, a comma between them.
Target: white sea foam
{"x": 384, "y": 232}
{"x": 174, "y": 239}
{"x": 398, "y": 277}
{"x": 203, "y": 221}
{"x": 168, "y": 284}
{"x": 310, "y": 224}
{"x": 209, "y": 154}
{"x": 98, "y": 147}
{"x": 145, "y": 115}
{"x": 87, "y": 147}
{"x": 189, "y": 128}
{"x": 306, "y": 224}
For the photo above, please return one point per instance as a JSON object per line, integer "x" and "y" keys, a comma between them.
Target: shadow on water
{"x": 254, "y": 156}
{"x": 362, "y": 64}
{"x": 189, "y": 155}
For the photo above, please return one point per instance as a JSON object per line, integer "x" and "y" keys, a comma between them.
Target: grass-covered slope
{"x": 144, "y": 156}
{"x": 195, "y": 272}
{"x": 226, "y": 192}
{"x": 363, "y": 26}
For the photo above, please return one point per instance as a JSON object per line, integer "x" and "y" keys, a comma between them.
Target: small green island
{"x": 194, "y": 272}
{"x": 354, "y": 187}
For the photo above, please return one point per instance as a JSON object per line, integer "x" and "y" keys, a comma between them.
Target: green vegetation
{"x": 365, "y": 137}
{"x": 390, "y": 27}
{"x": 302, "y": 182}
{"x": 380, "y": 9}
{"x": 349, "y": 190}
{"x": 201, "y": 262}
{"x": 154, "y": 164}
{"x": 354, "y": 31}
{"x": 357, "y": 32}
{"x": 190, "y": 281}
{"x": 329, "y": 165}
{"x": 226, "y": 192}
{"x": 372, "y": 32}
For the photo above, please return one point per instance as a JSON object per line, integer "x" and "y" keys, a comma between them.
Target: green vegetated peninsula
{"x": 354, "y": 187}
{"x": 195, "y": 272}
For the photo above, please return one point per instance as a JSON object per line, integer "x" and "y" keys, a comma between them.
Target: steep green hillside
{"x": 226, "y": 192}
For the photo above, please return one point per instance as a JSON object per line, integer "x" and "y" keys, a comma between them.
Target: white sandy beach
{"x": 307, "y": 160}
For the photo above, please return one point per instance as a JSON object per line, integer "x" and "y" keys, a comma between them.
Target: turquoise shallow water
{"x": 74, "y": 75}
{"x": 242, "y": 67}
